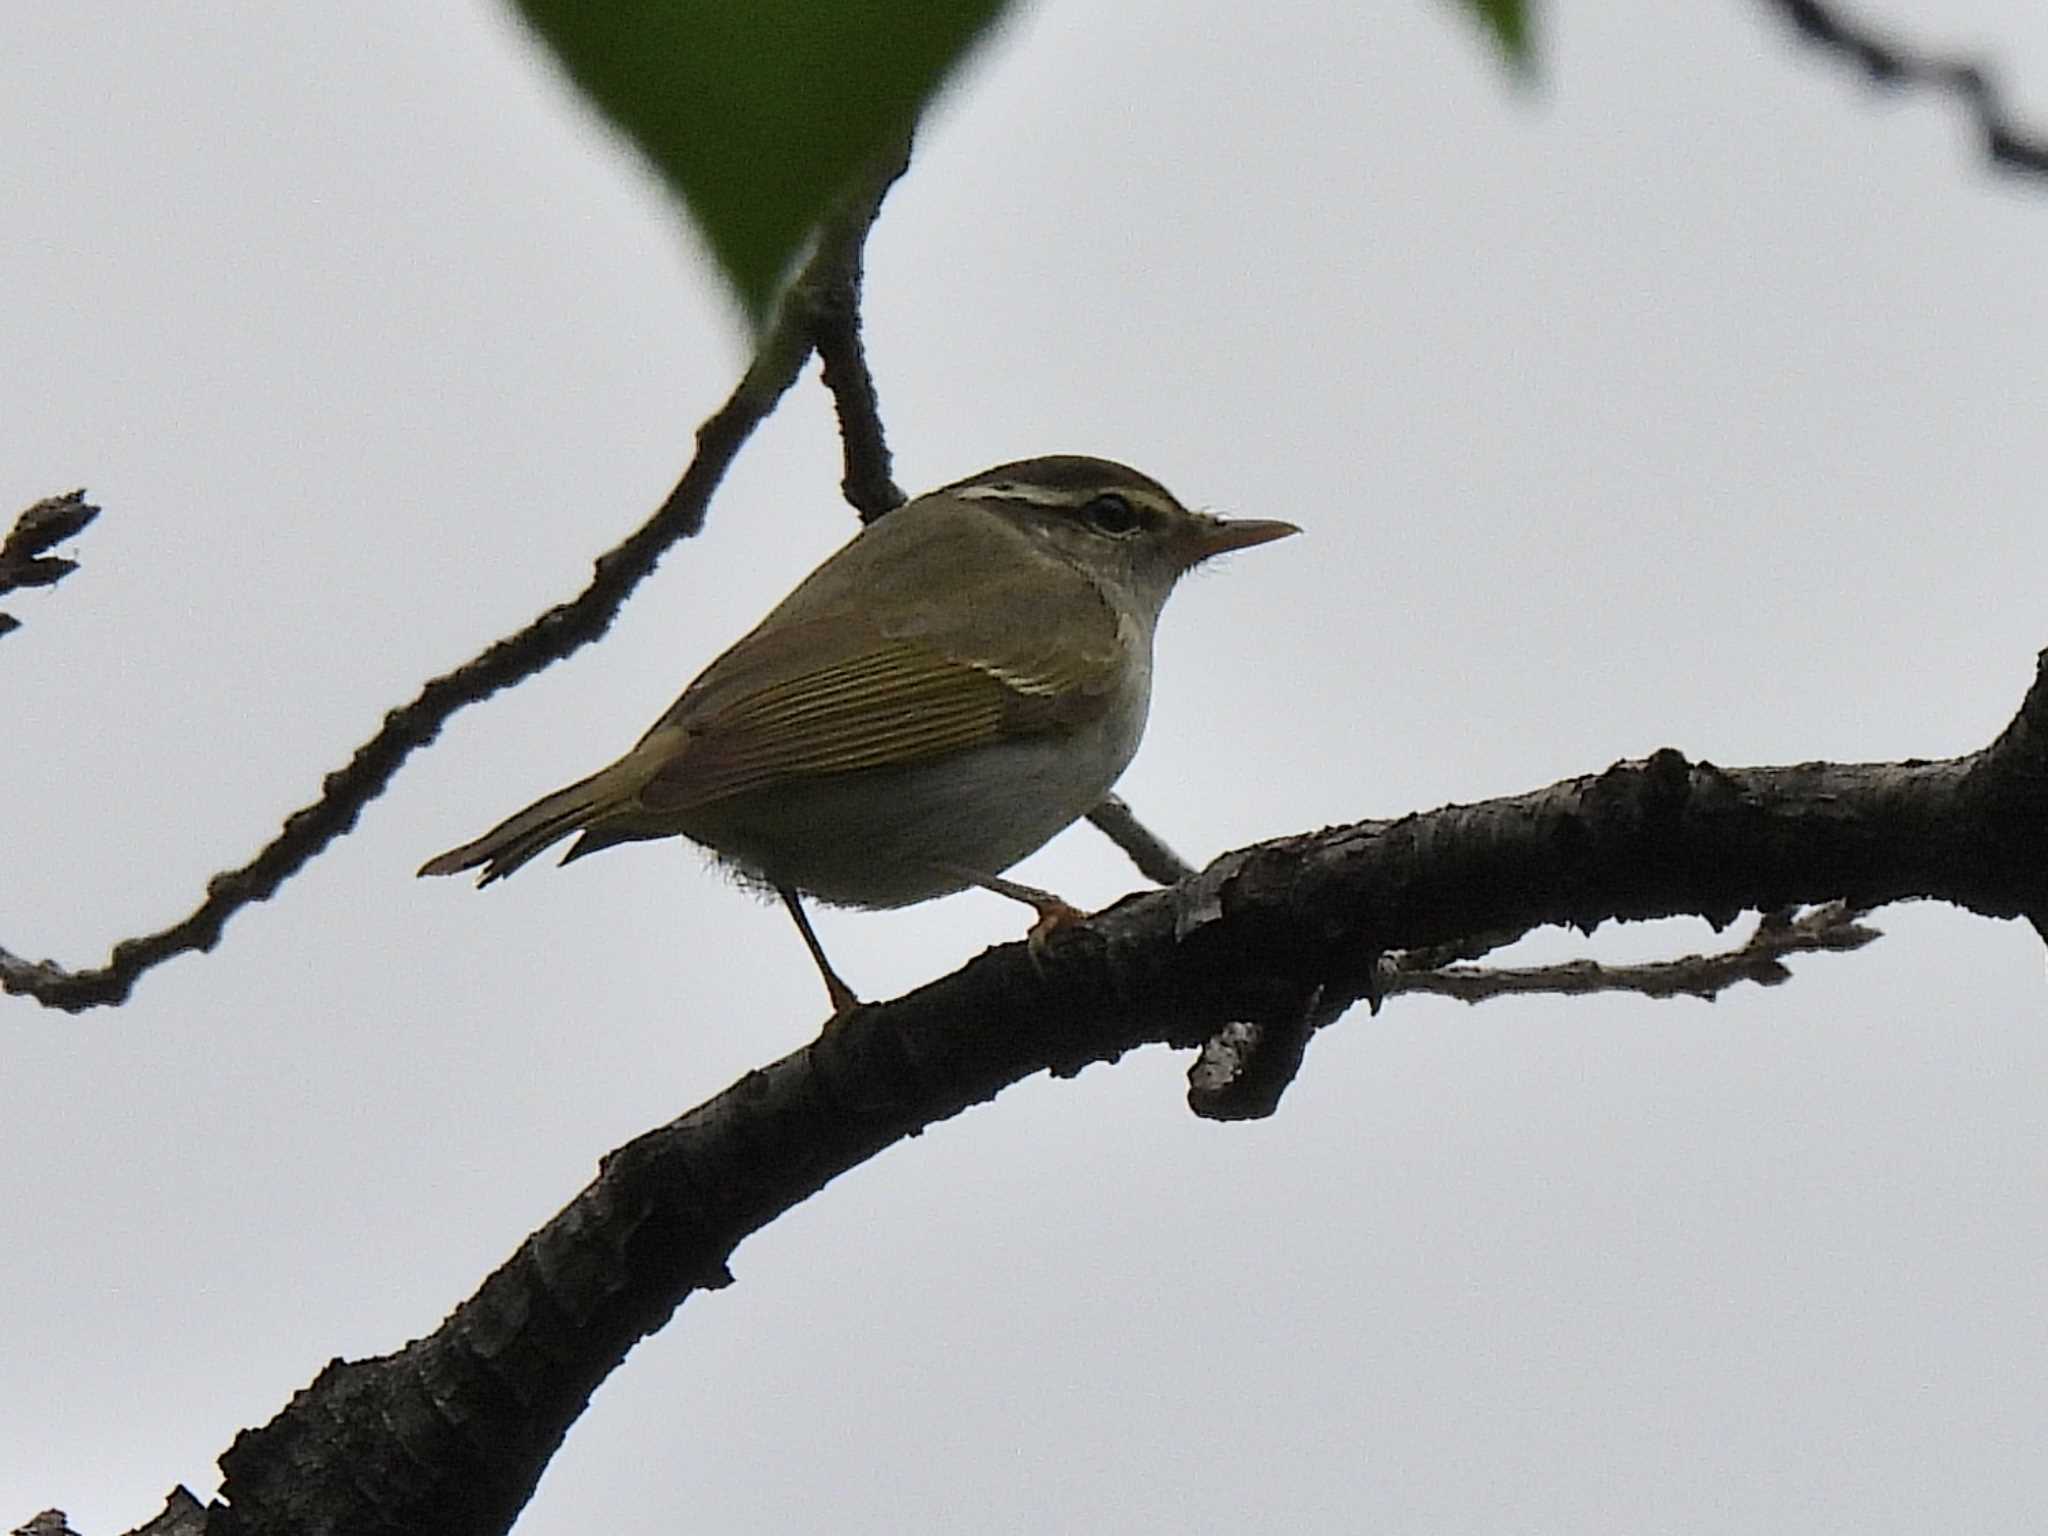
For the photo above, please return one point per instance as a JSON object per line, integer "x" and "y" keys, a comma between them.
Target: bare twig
{"x": 23, "y": 558}
{"x": 835, "y": 330}
{"x": 1156, "y": 862}
{"x": 1245, "y": 1067}
{"x": 1890, "y": 62}
{"x": 1833, "y": 927}
{"x": 557, "y": 633}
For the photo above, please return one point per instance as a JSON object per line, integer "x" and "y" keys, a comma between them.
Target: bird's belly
{"x": 888, "y": 837}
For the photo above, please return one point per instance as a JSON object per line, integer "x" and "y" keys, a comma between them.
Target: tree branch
{"x": 1890, "y": 62}
{"x": 1156, "y": 862}
{"x": 23, "y": 558}
{"x": 1245, "y": 1068}
{"x": 835, "y": 329}
{"x": 826, "y": 288}
{"x": 1832, "y": 927}
{"x": 451, "y": 1433}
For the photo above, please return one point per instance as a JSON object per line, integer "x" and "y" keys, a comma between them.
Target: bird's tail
{"x": 541, "y": 825}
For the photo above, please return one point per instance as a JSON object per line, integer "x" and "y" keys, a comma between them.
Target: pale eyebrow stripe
{"x": 1046, "y": 496}
{"x": 1030, "y": 495}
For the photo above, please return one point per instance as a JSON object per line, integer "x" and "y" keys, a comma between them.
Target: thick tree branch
{"x": 825, "y": 288}
{"x": 1890, "y": 62}
{"x": 451, "y": 1433}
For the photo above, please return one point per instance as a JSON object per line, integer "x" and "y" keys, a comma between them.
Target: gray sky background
{"x": 1692, "y": 399}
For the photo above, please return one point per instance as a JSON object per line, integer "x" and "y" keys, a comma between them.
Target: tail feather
{"x": 533, "y": 831}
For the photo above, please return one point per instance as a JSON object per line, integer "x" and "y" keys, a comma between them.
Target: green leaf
{"x": 759, "y": 111}
{"x": 1508, "y": 23}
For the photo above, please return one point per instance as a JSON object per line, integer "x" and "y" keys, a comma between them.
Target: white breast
{"x": 894, "y": 836}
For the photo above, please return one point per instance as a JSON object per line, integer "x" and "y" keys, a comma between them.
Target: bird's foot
{"x": 845, "y": 1001}
{"x": 1053, "y": 915}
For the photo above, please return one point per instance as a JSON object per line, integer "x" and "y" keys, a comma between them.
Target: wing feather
{"x": 897, "y": 702}
{"x": 1024, "y": 650}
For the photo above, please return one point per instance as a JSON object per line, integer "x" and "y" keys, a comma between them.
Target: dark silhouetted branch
{"x": 24, "y": 557}
{"x": 1889, "y": 62}
{"x": 825, "y": 285}
{"x": 836, "y": 331}
{"x": 1831, "y": 928}
{"x": 451, "y": 1433}
{"x": 1245, "y": 1067}
{"x": 1156, "y": 862}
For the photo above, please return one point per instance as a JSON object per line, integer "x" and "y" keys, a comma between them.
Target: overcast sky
{"x": 1692, "y": 399}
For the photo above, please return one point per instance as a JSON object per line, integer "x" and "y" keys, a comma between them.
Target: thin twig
{"x": 1890, "y": 62}
{"x": 1834, "y": 927}
{"x": 1156, "y": 862}
{"x": 23, "y": 561}
{"x": 836, "y": 331}
{"x": 1244, "y": 1068}
{"x": 555, "y": 634}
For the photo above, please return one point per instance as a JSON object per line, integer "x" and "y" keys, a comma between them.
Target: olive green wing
{"x": 1012, "y": 660}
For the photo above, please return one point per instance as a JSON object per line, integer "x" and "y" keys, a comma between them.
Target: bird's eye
{"x": 1112, "y": 514}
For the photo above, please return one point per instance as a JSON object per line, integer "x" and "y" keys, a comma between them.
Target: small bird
{"x": 963, "y": 679}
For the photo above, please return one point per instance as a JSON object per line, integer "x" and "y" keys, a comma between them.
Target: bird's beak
{"x": 1220, "y": 535}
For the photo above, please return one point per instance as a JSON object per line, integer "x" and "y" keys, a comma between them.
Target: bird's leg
{"x": 1053, "y": 914}
{"x": 843, "y": 999}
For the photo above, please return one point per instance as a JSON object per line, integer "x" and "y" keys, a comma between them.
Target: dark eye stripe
{"x": 1112, "y": 514}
